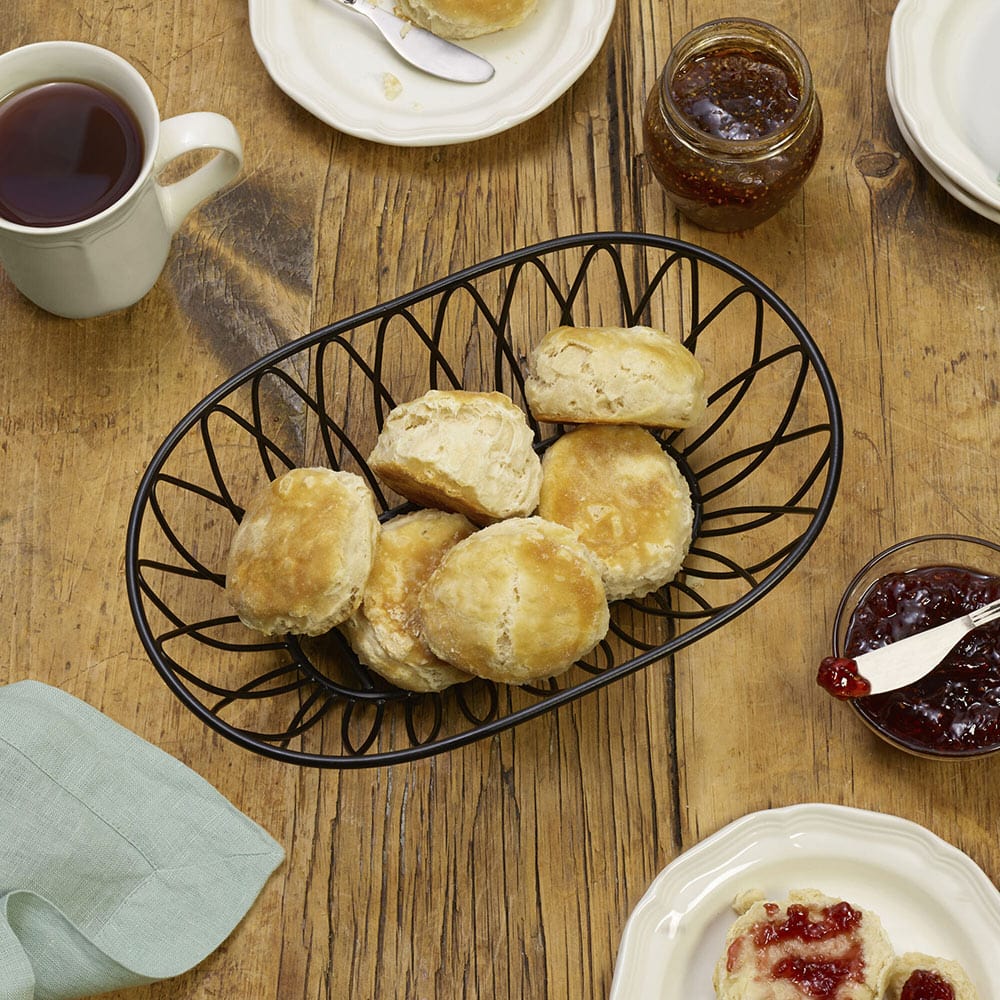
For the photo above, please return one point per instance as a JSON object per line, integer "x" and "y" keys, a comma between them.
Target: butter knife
{"x": 905, "y": 661}
{"x": 422, "y": 48}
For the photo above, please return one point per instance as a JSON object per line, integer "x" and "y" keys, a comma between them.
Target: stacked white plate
{"x": 943, "y": 80}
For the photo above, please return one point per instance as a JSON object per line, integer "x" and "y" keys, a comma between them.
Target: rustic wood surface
{"x": 506, "y": 869}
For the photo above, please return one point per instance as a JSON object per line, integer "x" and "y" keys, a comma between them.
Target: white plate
{"x": 947, "y": 77}
{"x": 334, "y": 63}
{"x": 930, "y": 896}
{"x": 959, "y": 194}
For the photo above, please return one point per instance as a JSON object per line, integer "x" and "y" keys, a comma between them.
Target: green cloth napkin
{"x": 118, "y": 864}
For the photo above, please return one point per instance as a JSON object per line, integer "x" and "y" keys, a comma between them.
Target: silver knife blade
{"x": 907, "y": 660}
{"x": 424, "y": 49}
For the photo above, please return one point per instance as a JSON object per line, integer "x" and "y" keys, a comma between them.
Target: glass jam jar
{"x": 733, "y": 125}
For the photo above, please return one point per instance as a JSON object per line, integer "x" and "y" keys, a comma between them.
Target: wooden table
{"x": 507, "y": 868}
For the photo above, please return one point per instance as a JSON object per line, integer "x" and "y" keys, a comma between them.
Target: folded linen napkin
{"x": 118, "y": 864}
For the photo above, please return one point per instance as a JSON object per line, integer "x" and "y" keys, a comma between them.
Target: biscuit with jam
{"x": 915, "y": 976}
{"x": 809, "y": 946}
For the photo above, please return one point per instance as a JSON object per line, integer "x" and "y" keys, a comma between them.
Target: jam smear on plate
{"x": 925, "y": 984}
{"x": 955, "y": 709}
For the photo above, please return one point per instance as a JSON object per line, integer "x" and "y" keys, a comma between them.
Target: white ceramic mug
{"x": 111, "y": 259}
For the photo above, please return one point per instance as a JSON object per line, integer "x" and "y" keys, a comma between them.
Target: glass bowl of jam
{"x": 733, "y": 126}
{"x": 953, "y": 712}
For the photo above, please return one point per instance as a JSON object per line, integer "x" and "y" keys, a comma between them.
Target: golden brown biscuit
{"x": 301, "y": 555}
{"x": 470, "y": 452}
{"x": 924, "y": 977}
{"x": 614, "y": 375}
{"x": 466, "y": 18}
{"x": 627, "y": 501}
{"x": 385, "y": 630}
{"x": 515, "y": 602}
{"x": 787, "y": 951}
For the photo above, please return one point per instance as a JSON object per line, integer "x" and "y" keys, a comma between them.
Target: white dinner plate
{"x": 947, "y": 77}
{"x": 930, "y": 896}
{"x": 335, "y": 64}
{"x": 959, "y": 194}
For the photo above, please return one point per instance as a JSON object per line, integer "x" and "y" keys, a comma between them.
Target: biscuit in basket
{"x": 517, "y": 601}
{"x": 469, "y": 452}
{"x": 614, "y": 375}
{"x": 301, "y": 555}
{"x": 626, "y": 499}
{"x": 385, "y": 632}
{"x": 466, "y": 18}
{"x": 915, "y": 976}
{"x": 810, "y": 945}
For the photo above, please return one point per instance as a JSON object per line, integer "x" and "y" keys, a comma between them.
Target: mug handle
{"x": 182, "y": 134}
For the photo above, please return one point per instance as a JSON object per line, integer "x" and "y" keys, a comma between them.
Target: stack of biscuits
{"x": 507, "y": 568}
{"x": 813, "y": 945}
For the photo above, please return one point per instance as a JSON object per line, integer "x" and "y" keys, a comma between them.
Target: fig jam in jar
{"x": 733, "y": 126}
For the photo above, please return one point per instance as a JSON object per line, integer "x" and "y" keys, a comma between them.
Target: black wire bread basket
{"x": 763, "y": 468}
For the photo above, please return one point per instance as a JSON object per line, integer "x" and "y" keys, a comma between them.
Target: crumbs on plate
{"x": 391, "y": 86}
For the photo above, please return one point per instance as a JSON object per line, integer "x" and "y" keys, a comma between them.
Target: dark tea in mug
{"x": 68, "y": 150}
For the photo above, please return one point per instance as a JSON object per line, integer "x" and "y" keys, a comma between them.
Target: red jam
{"x": 818, "y": 976}
{"x": 926, "y": 985}
{"x": 733, "y": 125}
{"x": 955, "y": 709}
{"x": 839, "y": 676}
{"x": 798, "y": 926}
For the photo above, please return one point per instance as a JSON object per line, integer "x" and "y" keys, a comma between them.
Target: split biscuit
{"x": 773, "y": 951}
{"x": 626, "y": 500}
{"x": 469, "y": 452}
{"x": 928, "y": 977}
{"x": 517, "y": 601}
{"x": 300, "y": 558}
{"x": 466, "y": 18}
{"x": 614, "y": 375}
{"x": 385, "y": 631}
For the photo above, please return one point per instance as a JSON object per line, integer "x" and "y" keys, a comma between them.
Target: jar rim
{"x": 727, "y": 31}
